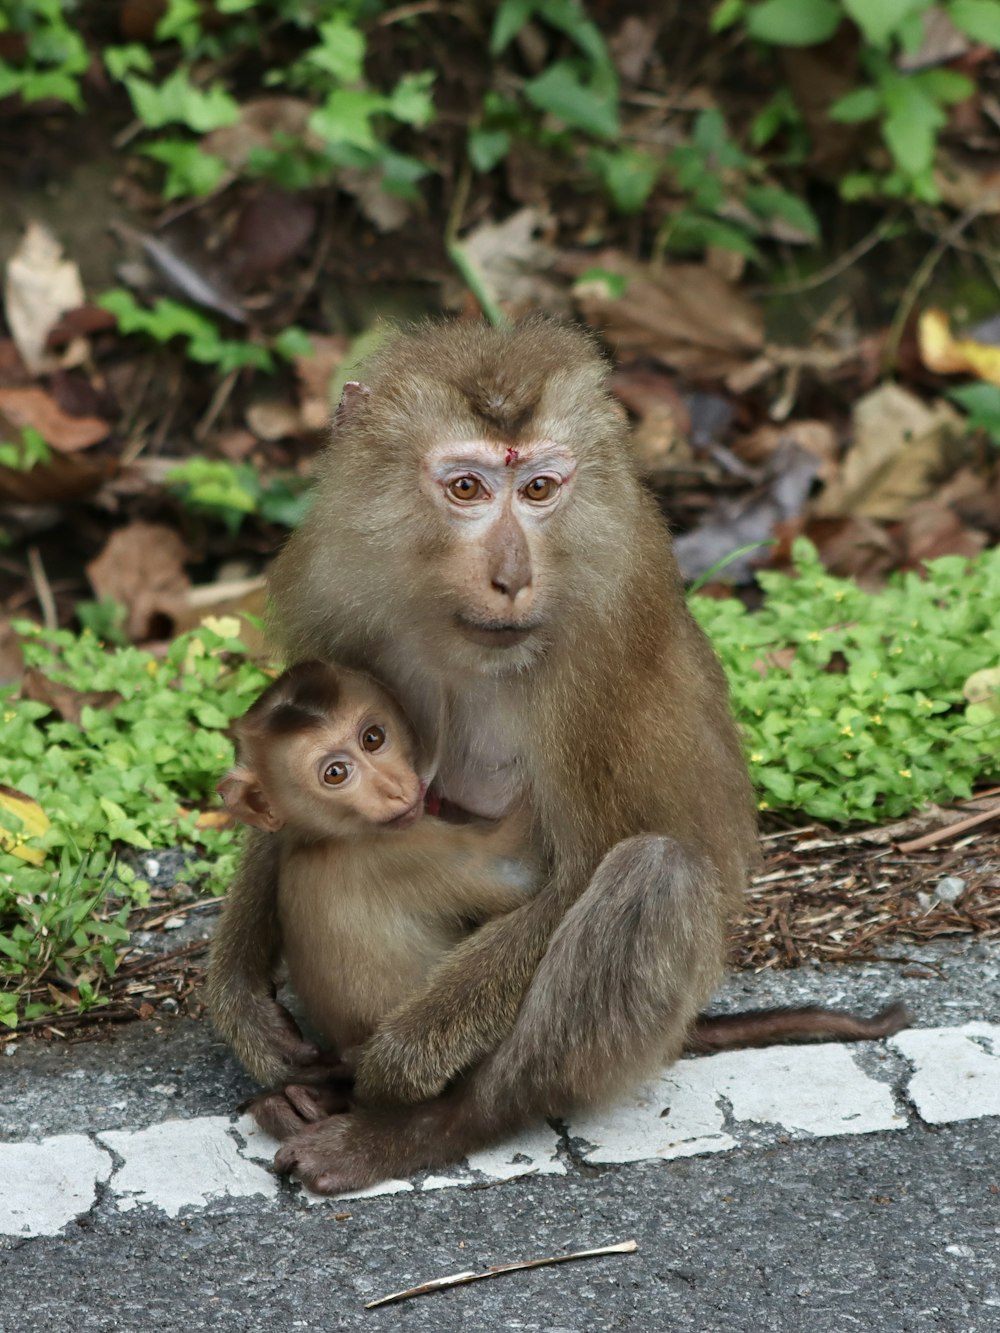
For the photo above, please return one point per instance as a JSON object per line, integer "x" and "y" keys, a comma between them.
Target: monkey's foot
{"x": 327, "y": 1157}
{"x": 290, "y": 1110}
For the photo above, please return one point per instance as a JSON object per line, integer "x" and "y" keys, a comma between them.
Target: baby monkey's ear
{"x": 247, "y": 800}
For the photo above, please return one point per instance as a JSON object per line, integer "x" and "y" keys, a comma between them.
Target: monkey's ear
{"x": 353, "y": 397}
{"x": 246, "y": 800}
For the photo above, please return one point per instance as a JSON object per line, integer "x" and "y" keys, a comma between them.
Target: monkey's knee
{"x": 654, "y": 869}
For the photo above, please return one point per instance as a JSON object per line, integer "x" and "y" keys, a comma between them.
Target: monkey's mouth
{"x": 408, "y": 817}
{"x": 494, "y": 633}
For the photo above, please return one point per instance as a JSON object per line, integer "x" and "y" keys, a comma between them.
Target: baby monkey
{"x": 372, "y": 891}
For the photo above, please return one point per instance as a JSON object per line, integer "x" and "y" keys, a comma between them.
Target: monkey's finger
{"x": 276, "y": 1115}
{"x": 316, "y": 1103}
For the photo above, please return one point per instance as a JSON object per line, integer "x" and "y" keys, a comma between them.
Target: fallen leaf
{"x": 260, "y": 120}
{"x": 63, "y": 699}
{"x": 40, "y": 288}
{"x": 983, "y": 687}
{"x": 748, "y": 520}
{"x": 33, "y": 823}
{"x": 11, "y": 656}
{"x": 851, "y": 547}
{"x": 899, "y": 450}
{"x": 273, "y": 419}
{"x": 142, "y": 566}
{"x": 947, "y": 355}
{"x": 273, "y": 227}
{"x": 231, "y": 608}
{"x": 683, "y": 315}
{"x": 660, "y": 437}
{"x": 35, "y": 408}
{"x": 63, "y": 479}
{"x": 315, "y": 374}
{"x": 215, "y": 819}
{"x": 516, "y": 262}
{"x": 931, "y": 529}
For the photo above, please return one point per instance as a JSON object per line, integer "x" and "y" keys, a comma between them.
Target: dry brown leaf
{"x": 930, "y": 529}
{"x": 273, "y": 419}
{"x": 11, "y": 656}
{"x": 241, "y": 598}
{"x": 40, "y": 288}
{"x": 142, "y": 566}
{"x": 899, "y": 451}
{"x": 63, "y": 479}
{"x": 260, "y": 120}
{"x": 272, "y": 228}
{"x": 660, "y": 438}
{"x": 851, "y": 547}
{"x": 816, "y": 437}
{"x": 516, "y": 261}
{"x": 315, "y": 375}
{"x": 63, "y": 699}
{"x": 35, "y": 408}
{"x": 683, "y": 315}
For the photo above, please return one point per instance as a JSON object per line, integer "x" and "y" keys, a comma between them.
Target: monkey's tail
{"x": 767, "y": 1027}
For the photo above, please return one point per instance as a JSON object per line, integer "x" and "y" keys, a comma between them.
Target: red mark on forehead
{"x": 510, "y": 457}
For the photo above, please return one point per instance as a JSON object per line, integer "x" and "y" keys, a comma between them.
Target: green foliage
{"x": 127, "y": 776}
{"x": 168, "y": 319}
{"x": 23, "y": 454}
{"x": 982, "y": 404}
{"x": 910, "y": 108}
{"x": 227, "y": 492}
{"x": 868, "y": 720}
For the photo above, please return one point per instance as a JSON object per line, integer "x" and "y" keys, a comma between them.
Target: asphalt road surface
{"x": 808, "y": 1189}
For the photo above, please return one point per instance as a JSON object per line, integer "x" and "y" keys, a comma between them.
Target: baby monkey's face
{"x": 354, "y": 771}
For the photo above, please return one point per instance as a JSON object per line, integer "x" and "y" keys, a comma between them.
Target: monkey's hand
{"x": 467, "y": 1007}
{"x": 270, "y": 1046}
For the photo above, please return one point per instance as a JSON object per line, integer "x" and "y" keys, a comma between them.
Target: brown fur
{"x": 610, "y": 720}
{"x": 365, "y": 910}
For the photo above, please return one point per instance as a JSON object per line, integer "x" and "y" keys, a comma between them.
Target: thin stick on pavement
{"x": 460, "y": 1279}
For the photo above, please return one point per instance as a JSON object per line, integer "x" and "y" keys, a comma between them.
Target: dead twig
{"x": 949, "y": 831}
{"x": 462, "y": 1279}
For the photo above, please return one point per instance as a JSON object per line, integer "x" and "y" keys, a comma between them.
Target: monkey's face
{"x": 495, "y": 514}
{"x": 349, "y": 774}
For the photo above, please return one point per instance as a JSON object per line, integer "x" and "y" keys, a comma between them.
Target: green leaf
{"x": 487, "y": 148}
{"x": 911, "y": 124}
{"x": 945, "y": 85}
{"x": 190, "y": 171}
{"x": 587, "y": 106}
{"x": 177, "y": 100}
{"x": 411, "y": 101}
{"x": 861, "y": 104}
{"x": 794, "y": 22}
{"x": 767, "y": 201}
{"x": 982, "y": 403}
{"x": 628, "y": 175}
{"x": 345, "y": 117}
{"x": 725, "y": 14}
{"x": 341, "y": 51}
{"x": 978, "y": 19}
{"x": 121, "y": 60}
{"x": 511, "y": 17}
{"x": 881, "y": 19}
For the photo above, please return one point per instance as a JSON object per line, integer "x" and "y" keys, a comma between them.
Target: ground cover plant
{"x": 853, "y": 706}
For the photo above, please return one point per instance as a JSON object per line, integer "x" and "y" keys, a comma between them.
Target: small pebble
{"x": 949, "y": 889}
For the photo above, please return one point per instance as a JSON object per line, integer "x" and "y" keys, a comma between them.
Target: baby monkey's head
{"x": 324, "y": 752}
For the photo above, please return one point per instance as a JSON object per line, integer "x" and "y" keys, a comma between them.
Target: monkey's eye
{"x": 541, "y": 489}
{"x": 466, "y": 489}
{"x": 373, "y": 738}
{"x": 335, "y": 773}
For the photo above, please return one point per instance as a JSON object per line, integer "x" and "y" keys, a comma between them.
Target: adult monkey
{"x": 481, "y": 542}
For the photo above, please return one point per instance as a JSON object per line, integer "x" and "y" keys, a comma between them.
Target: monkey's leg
{"x": 623, "y": 977}
{"x": 240, "y": 988}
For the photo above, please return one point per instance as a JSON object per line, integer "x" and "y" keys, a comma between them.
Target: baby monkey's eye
{"x": 373, "y": 738}
{"x": 336, "y": 773}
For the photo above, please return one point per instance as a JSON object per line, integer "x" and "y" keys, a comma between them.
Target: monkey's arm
{"x": 240, "y": 986}
{"x": 467, "y": 1007}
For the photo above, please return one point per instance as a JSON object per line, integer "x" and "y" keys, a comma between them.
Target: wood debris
{"x": 497, "y": 1270}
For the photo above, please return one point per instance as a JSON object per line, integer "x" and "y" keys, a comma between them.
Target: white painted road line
{"x": 712, "y": 1104}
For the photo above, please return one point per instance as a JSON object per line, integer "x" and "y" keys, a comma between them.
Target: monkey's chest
{"x": 352, "y": 959}
{"x": 479, "y": 768}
